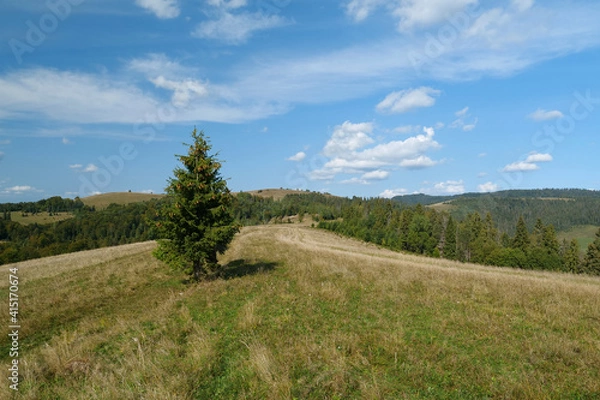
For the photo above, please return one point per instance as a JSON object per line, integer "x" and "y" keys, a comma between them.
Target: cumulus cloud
{"x": 299, "y": 156}
{"x": 75, "y": 166}
{"x": 418, "y": 163}
{"x": 407, "y": 100}
{"x": 163, "y": 9}
{"x": 447, "y": 187}
{"x": 376, "y": 175}
{"x": 543, "y": 115}
{"x": 488, "y": 187}
{"x": 349, "y": 153}
{"x": 529, "y": 164}
{"x": 347, "y": 138}
{"x": 462, "y": 113}
{"x": 390, "y": 193}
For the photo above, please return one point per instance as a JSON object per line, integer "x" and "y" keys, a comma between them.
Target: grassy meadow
{"x": 40, "y": 218}
{"x": 103, "y": 200}
{"x": 301, "y": 314}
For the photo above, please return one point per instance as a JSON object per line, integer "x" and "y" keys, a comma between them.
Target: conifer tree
{"x": 450, "y": 240}
{"x": 521, "y": 239}
{"x": 592, "y": 258}
{"x": 197, "y": 222}
{"x": 571, "y": 257}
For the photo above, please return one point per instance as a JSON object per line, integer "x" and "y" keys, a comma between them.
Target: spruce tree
{"x": 571, "y": 257}
{"x": 521, "y": 239}
{"x": 592, "y": 258}
{"x": 449, "y": 249}
{"x": 197, "y": 222}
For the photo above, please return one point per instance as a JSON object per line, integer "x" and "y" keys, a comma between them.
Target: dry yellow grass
{"x": 305, "y": 314}
{"x": 105, "y": 199}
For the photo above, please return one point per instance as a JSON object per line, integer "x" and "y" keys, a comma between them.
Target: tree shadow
{"x": 240, "y": 268}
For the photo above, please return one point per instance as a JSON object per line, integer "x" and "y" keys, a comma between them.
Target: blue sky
{"x": 353, "y": 97}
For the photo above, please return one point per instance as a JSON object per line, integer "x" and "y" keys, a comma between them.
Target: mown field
{"x": 301, "y": 314}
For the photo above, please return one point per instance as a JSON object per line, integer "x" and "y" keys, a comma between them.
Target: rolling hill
{"x": 103, "y": 200}
{"x": 301, "y": 313}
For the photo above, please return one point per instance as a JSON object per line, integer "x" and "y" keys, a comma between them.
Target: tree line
{"x": 474, "y": 238}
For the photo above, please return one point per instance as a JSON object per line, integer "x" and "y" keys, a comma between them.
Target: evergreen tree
{"x": 198, "y": 221}
{"x": 571, "y": 257}
{"x": 521, "y": 239}
{"x": 592, "y": 258}
{"x": 450, "y": 240}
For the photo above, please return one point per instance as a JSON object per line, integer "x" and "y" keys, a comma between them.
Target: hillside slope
{"x": 301, "y": 313}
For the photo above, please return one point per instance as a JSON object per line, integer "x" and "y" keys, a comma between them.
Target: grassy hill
{"x": 301, "y": 313}
{"x": 105, "y": 199}
{"x": 276, "y": 194}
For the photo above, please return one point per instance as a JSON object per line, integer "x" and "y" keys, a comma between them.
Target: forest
{"x": 512, "y": 229}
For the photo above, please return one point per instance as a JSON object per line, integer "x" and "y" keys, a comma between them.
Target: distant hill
{"x": 563, "y": 208}
{"x": 105, "y": 199}
{"x": 424, "y": 199}
{"x": 276, "y": 194}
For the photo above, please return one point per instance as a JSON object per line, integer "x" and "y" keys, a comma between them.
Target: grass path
{"x": 304, "y": 314}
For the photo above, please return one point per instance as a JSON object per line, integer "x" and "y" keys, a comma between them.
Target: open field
{"x": 104, "y": 200}
{"x": 39, "y": 218}
{"x": 276, "y": 194}
{"x": 584, "y": 235}
{"x": 305, "y": 314}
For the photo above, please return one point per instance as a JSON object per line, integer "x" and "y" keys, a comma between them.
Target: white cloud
{"x": 183, "y": 91}
{"x": 348, "y": 154}
{"x": 538, "y": 157}
{"x": 377, "y": 175}
{"x": 228, "y": 5}
{"x": 75, "y": 166}
{"x": 424, "y": 13}
{"x": 407, "y": 100}
{"x": 359, "y": 10}
{"x": 543, "y": 115}
{"x": 158, "y": 64}
{"x": 368, "y": 177}
{"x": 90, "y": 168}
{"x": 407, "y": 129}
{"x": 418, "y": 163}
{"x": 236, "y": 29}
{"x": 20, "y": 189}
{"x": 488, "y": 187}
{"x": 298, "y": 156}
{"x": 347, "y": 138}
{"x": 462, "y": 113}
{"x": 390, "y": 193}
{"x": 66, "y": 141}
{"x": 520, "y": 166}
{"x": 447, "y": 187}
{"x": 461, "y": 121}
{"x": 470, "y": 127}
{"x": 522, "y": 5}
{"x": 163, "y": 9}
